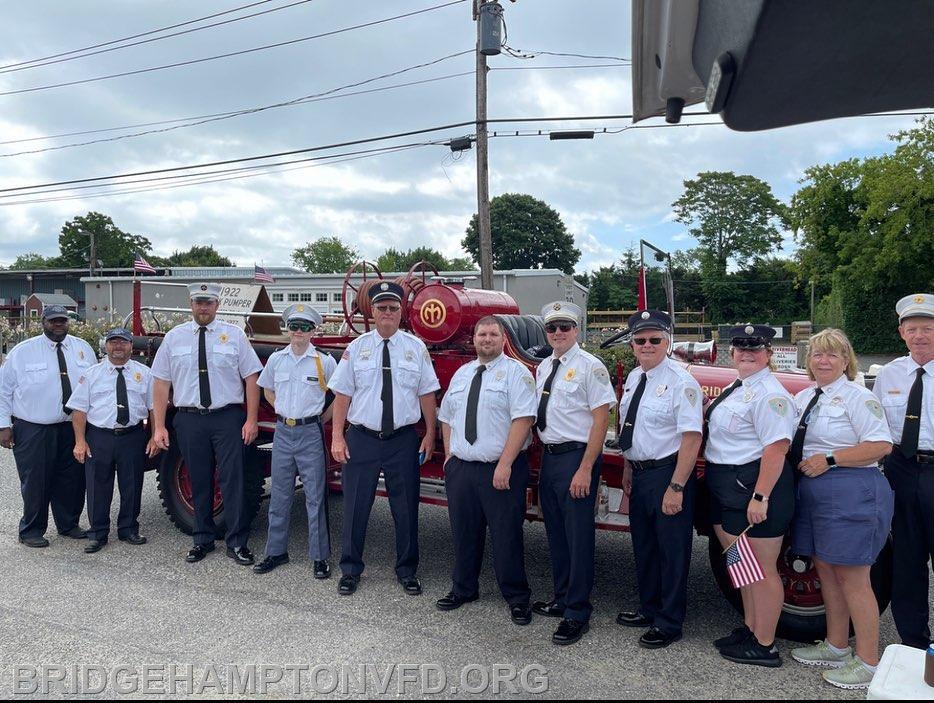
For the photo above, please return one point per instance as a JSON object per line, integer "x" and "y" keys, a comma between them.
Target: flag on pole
{"x": 260, "y": 275}
{"x": 741, "y": 563}
{"x": 140, "y": 264}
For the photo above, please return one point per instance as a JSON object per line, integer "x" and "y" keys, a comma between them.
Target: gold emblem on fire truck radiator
{"x": 433, "y": 313}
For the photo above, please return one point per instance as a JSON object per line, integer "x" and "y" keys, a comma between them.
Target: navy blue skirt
{"x": 843, "y": 516}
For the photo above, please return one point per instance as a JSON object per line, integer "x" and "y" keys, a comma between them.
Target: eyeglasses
{"x": 642, "y": 341}
{"x": 301, "y": 327}
{"x": 750, "y": 343}
{"x": 388, "y": 308}
{"x": 553, "y": 327}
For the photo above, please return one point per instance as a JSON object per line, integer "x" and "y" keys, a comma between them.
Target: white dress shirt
{"x": 96, "y": 393}
{"x": 294, "y": 380}
{"x": 507, "y": 392}
{"x": 360, "y": 375}
{"x": 230, "y": 359}
{"x": 755, "y": 415}
{"x": 30, "y": 385}
{"x": 581, "y": 385}
{"x": 892, "y": 387}
{"x": 845, "y": 415}
{"x": 672, "y": 404}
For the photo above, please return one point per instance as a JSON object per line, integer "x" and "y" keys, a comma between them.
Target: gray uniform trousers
{"x": 298, "y": 451}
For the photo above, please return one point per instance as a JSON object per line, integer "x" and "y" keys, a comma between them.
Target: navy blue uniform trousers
{"x": 569, "y": 524}
{"x": 48, "y": 475}
{"x": 473, "y": 503}
{"x": 125, "y": 456}
{"x": 912, "y": 545}
{"x": 662, "y": 547}
{"x": 206, "y": 442}
{"x": 397, "y": 457}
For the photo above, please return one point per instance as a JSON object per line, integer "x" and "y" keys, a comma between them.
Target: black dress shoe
{"x": 550, "y": 609}
{"x": 411, "y": 585}
{"x": 630, "y": 618}
{"x": 520, "y": 614}
{"x": 569, "y": 631}
{"x": 656, "y": 639}
{"x": 452, "y": 601}
{"x": 241, "y": 555}
{"x": 75, "y": 533}
{"x": 271, "y": 562}
{"x": 322, "y": 569}
{"x": 36, "y": 542}
{"x": 95, "y": 545}
{"x": 347, "y": 586}
{"x": 199, "y": 552}
{"x": 133, "y": 538}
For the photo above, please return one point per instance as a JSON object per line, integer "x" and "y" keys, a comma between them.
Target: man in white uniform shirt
{"x": 905, "y": 388}
{"x": 574, "y": 398}
{"x": 110, "y": 403}
{"x": 37, "y": 380}
{"x": 207, "y": 363}
{"x": 486, "y": 415}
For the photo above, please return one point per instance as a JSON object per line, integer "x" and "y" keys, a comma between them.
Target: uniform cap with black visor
{"x": 386, "y": 292}
{"x": 752, "y": 337}
{"x": 301, "y": 318}
{"x": 645, "y": 320}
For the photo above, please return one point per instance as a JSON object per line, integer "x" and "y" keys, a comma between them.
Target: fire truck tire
{"x": 174, "y": 490}
{"x": 798, "y": 624}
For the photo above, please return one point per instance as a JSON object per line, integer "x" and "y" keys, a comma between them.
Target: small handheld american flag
{"x": 741, "y": 563}
{"x": 140, "y": 264}
{"x": 261, "y": 275}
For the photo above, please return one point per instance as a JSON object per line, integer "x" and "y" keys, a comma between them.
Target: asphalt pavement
{"x": 128, "y": 619}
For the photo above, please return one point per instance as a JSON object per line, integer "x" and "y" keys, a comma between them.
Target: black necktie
{"x": 388, "y": 424}
{"x": 123, "y": 401}
{"x": 473, "y": 398}
{"x": 716, "y": 401}
{"x": 66, "y": 382}
{"x": 625, "y": 438}
{"x": 204, "y": 383}
{"x": 796, "y": 453}
{"x": 912, "y": 427}
{"x": 546, "y": 394}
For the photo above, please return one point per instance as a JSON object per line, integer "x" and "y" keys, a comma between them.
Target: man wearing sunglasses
{"x": 383, "y": 385}
{"x": 661, "y": 428}
{"x": 574, "y": 396}
{"x": 294, "y": 382}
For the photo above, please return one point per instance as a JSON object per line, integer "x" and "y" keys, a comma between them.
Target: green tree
{"x": 115, "y": 248}
{"x": 461, "y": 263}
{"x": 26, "y": 262}
{"x": 394, "y": 260}
{"x": 196, "y": 256}
{"x": 526, "y": 234}
{"x": 325, "y": 255}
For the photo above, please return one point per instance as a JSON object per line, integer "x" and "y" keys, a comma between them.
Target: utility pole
{"x": 93, "y": 260}
{"x": 483, "y": 165}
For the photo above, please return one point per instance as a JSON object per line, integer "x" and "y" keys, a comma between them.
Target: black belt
{"x": 564, "y": 447}
{"x": 654, "y": 463}
{"x": 119, "y": 430}
{"x": 206, "y": 411}
{"x": 383, "y": 435}
{"x": 298, "y": 422}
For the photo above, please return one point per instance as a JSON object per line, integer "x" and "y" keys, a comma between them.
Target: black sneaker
{"x": 751, "y": 652}
{"x": 737, "y": 636}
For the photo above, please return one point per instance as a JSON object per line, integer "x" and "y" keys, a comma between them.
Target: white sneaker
{"x": 854, "y": 675}
{"x": 820, "y": 654}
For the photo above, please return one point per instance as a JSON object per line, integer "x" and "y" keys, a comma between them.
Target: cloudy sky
{"x": 611, "y": 192}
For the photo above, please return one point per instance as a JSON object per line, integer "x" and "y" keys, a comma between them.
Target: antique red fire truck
{"x": 443, "y": 314}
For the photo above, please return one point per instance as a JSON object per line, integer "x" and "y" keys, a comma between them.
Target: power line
{"x": 35, "y": 63}
{"x": 235, "y": 53}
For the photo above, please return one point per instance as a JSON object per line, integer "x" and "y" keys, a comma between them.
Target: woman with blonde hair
{"x": 845, "y": 505}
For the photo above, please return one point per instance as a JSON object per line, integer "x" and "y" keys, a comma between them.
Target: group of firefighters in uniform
{"x": 384, "y": 384}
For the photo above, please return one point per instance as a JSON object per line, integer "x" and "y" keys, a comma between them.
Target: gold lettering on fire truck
{"x": 433, "y": 313}
{"x": 712, "y": 391}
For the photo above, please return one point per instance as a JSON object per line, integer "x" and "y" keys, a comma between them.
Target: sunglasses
{"x": 642, "y": 341}
{"x": 751, "y": 343}
{"x": 553, "y": 327}
{"x": 301, "y": 327}
{"x": 388, "y": 308}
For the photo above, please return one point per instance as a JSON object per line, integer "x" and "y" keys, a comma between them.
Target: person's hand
{"x": 757, "y": 511}
{"x": 81, "y": 451}
{"x": 249, "y": 432}
{"x": 501, "y": 477}
{"x": 672, "y": 502}
{"x": 627, "y": 479}
{"x": 814, "y": 465}
{"x": 428, "y": 447}
{"x": 6, "y": 437}
{"x": 152, "y": 448}
{"x": 160, "y": 436}
{"x": 339, "y": 449}
{"x": 580, "y": 484}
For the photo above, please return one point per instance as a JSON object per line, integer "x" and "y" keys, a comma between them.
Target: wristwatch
{"x": 759, "y": 497}
{"x": 830, "y": 460}
{"x": 676, "y": 487}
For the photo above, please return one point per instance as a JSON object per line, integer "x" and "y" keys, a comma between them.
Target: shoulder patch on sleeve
{"x": 427, "y": 356}
{"x": 779, "y": 406}
{"x": 528, "y": 381}
{"x": 691, "y": 395}
{"x": 346, "y": 354}
{"x": 81, "y": 380}
{"x": 875, "y": 408}
{"x": 601, "y": 374}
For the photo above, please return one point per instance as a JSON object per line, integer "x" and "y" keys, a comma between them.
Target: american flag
{"x": 140, "y": 264}
{"x": 741, "y": 563}
{"x": 261, "y": 275}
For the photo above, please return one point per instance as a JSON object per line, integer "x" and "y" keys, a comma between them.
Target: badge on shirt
{"x": 364, "y": 354}
{"x": 691, "y": 395}
{"x": 409, "y": 356}
{"x": 569, "y": 375}
{"x": 500, "y": 375}
{"x": 748, "y": 396}
{"x": 138, "y": 377}
{"x": 895, "y": 392}
{"x": 660, "y": 390}
{"x": 836, "y": 401}
{"x": 779, "y": 405}
{"x": 224, "y": 338}
{"x": 875, "y": 408}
